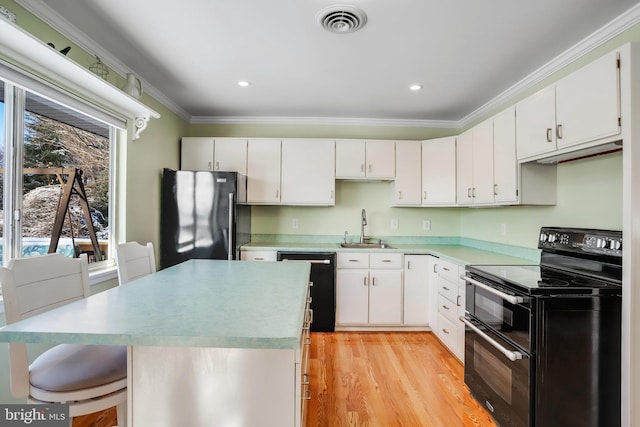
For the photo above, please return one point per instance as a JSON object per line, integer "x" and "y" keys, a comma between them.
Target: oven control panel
{"x": 601, "y": 242}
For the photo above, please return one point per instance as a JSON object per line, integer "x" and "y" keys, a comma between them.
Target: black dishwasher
{"x": 323, "y": 291}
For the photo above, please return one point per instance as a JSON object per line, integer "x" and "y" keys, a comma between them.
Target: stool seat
{"x": 69, "y": 367}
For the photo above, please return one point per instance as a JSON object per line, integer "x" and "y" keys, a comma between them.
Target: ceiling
{"x": 464, "y": 53}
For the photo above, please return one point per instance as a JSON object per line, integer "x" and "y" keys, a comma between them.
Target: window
{"x": 56, "y": 163}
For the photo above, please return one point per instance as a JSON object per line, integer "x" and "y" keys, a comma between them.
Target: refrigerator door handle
{"x": 231, "y": 242}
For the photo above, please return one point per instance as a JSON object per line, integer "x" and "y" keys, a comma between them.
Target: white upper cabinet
{"x": 474, "y": 166}
{"x": 588, "y": 102}
{"x": 407, "y": 186}
{"x": 535, "y": 125}
{"x": 230, "y": 154}
{"x": 362, "y": 159}
{"x": 505, "y": 164}
{"x": 580, "y": 108}
{"x": 308, "y": 174}
{"x": 439, "y": 171}
{"x": 214, "y": 154}
{"x": 263, "y": 171}
{"x": 196, "y": 154}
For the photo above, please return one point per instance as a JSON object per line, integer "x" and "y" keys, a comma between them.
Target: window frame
{"x": 16, "y": 84}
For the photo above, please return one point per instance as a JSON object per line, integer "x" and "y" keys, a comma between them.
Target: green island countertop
{"x": 198, "y": 303}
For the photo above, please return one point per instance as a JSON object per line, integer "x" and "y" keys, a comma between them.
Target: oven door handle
{"x": 511, "y": 298}
{"x": 511, "y": 355}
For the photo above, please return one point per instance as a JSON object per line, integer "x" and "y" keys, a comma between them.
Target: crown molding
{"x": 614, "y": 28}
{"x": 323, "y": 121}
{"x": 45, "y": 13}
{"x": 596, "y": 39}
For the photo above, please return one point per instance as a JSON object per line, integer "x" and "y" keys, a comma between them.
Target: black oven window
{"x": 495, "y": 373}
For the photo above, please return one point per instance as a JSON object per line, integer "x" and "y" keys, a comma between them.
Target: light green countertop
{"x": 457, "y": 253}
{"x": 199, "y": 303}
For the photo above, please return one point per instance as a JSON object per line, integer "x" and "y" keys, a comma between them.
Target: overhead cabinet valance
{"x": 25, "y": 57}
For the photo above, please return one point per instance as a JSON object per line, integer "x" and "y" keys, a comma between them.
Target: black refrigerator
{"x": 203, "y": 215}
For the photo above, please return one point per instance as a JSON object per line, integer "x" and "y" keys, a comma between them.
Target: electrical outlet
{"x": 394, "y": 223}
{"x": 295, "y": 223}
{"x": 426, "y": 224}
{"x": 503, "y": 229}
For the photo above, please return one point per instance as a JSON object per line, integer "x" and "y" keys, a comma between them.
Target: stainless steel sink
{"x": 365, "y": 245}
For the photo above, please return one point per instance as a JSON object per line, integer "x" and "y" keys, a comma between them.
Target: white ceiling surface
{"x": 464, "y": 52}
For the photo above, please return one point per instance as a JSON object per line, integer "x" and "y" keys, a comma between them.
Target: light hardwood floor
{"x": 375, "y": 379}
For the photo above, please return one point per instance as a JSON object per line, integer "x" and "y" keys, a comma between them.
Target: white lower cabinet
{"x": 416, "y": 290}
{"x": 450, "y": 330}
{"x": 369, "y": 289}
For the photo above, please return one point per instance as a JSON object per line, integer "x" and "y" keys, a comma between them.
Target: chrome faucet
{"x": 363, "y": 222}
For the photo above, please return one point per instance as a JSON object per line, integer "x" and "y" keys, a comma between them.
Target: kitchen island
{"x": 210, "y": 342}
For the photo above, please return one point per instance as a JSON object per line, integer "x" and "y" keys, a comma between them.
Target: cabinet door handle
{"x": 473, "y": 192}
{"x": 495, "y": 189}
{"x": 209, "y": 166}
{"x": 362, "y": 167}
{"x": 549, "y": 130}
{"x": 331, "y": 195}
{"x": 217, "y": 166}
{"x": 408, "y": 265}
{"x": 424, "y": 195}
{"x": 370, "y": 168}
{"x": 277, "y": 193}
{"x": 399, "y": 195}
{"x": 559, "y": 131}
{"x": 469, "y": 192}
{"x": 458, "y": 300}
{"x": 364, "y": 281}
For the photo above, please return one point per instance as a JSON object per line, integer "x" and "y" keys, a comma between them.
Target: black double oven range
{"x": 542, "y": 342}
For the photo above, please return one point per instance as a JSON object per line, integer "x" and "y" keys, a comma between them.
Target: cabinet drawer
{"x": 448, "y": 270}
{"x": 353, "y": 260}
{"x": 448, "y": 309}
{"x": 448, "y": 289}
{"x": 259, "y": 255}
{"x": 385, "y": 260}
{"x": 448, "y": 333}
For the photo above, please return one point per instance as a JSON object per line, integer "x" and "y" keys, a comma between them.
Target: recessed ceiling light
{"x": 244, "y": 83}
{"x": 415, "y": 87}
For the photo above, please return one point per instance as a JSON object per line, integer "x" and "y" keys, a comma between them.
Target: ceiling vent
{"x": 342, "y": 19}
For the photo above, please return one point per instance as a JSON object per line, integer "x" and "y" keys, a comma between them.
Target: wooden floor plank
{"x": 378, "y": 379}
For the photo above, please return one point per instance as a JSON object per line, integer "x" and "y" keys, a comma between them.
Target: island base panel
{"x": 201, "y": 387}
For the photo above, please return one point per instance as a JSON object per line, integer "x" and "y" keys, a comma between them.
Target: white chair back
{"x": 35, "y": 285}
{"x": 134, "y": 260}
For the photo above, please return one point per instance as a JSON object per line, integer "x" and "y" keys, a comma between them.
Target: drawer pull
{"x": 445, "y": 269}
{"x": 445, "y": 288}
{"x": 354, "y": 260}
{"x": 386, "y": 260}
{"x": 259, "y": 258}
{"x": 445, "y": 307}
{"x": 445, "y": 331}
